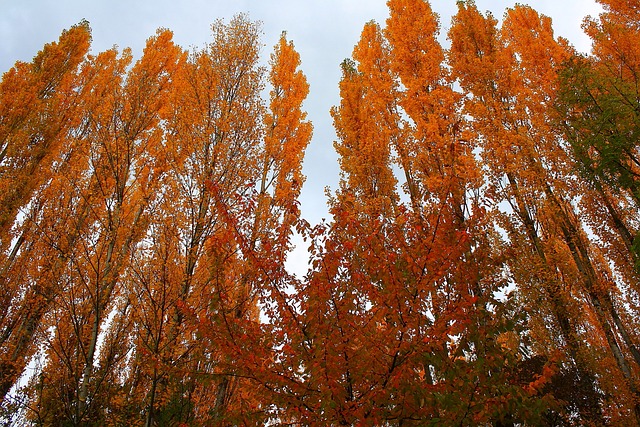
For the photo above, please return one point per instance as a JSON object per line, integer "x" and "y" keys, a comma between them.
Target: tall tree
{"x": 262, "y": 231}
{"x": 480, "y": 266}
{"x": 512, "y": 76}
{"x": 39, "y": 112}
{"x": 599, "y": 113}
{"x": 125, "y": 167}
{"x": 396, "y": 312}
{"x": 213, "y": 133}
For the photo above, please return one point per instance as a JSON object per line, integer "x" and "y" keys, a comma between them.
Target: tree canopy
{"x": 480, "y": 267}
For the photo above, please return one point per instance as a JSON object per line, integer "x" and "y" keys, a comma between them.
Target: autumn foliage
{"x": 480, "y": 267}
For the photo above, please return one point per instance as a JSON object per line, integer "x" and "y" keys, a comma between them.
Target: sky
{"x": 323, "y": 31}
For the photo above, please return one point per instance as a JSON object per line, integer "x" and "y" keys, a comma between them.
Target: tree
{"x": 479, "y": 267}
{"x": 397, "y": 309}
{"x": 123, "y": 170}
{"x": 262, "y": 231}
{"x": 598, "y": 114}
{"x": 213, "y": 134}
{"x": 513, "y": 76}
{"x": 38, "y": 104}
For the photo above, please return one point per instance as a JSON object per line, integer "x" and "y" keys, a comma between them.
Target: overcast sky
{"x": 323, "y": 31}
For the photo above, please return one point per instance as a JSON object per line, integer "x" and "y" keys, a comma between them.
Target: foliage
{"x": 479, "y": 268}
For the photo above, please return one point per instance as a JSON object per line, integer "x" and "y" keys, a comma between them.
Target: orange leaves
{"x": 541, "y": 380}
{"x": 287, "y": 132}
{"x": 366, "y": 122}
{"x": 417, "y": 56}
{"x": 473, "y": 44}
{"x": 531, "y": 168}
{"x": 37, "y": 109}
{"x": 616, "y": 38}
{"x": 160, "y": 198}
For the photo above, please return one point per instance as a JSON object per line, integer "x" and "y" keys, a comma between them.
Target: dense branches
{"x": 480, "y": 268}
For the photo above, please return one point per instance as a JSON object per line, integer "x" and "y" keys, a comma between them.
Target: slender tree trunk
{"x": 573, "y": 236}
{"x": 152, "y": 396}
{"x": 36, "y": 304}
{"x": 104, "y": 291}
{"x": 590, "y": 410}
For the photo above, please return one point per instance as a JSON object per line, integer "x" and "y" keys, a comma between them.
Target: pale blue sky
{"x": 324, "y": 32}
